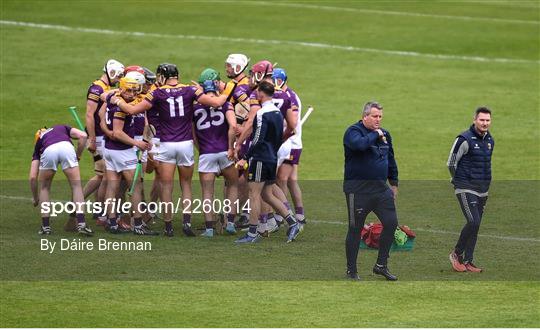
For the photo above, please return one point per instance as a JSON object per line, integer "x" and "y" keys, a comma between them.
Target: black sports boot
{"x": 353, "y": 276}
{"x": 383, "y": 270}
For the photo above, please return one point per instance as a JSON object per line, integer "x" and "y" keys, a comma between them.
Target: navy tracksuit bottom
{"x": 472, "y": 207}
{"x": 359, "y": 206}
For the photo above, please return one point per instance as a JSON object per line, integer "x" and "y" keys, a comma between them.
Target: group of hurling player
{"x": 142, "y": 126}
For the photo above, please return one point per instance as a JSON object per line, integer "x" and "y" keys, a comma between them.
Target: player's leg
{"x": 385, "y": 209}
{"x": 207, "y": 187}
{"x": 74, "y": 177}
{"x": 243, "y": 197}
{"x": 113, "y": 184}
{"x": 185, "y": 161}
{"x": 136, "y": 200}
{"x": 167, "y": 166}
{"x": 231, "y": 195}
{"x": 269, "y": 196}
{"x": 166, "y": 176}
{"x": 255, "y": 189}
{"x": 283, "y": 174}
{"x": 357, "y": 210}
{"x": 45, "y": 179}
{"x": 296, "y": 195}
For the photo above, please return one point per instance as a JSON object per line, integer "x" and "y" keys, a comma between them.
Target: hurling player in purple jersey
{"x": 287, "y": 177}
{"x": 53, "y": 147}
{"x": 112, "y": 72}
{"x": 121, "y": 158}
{"x": 174, "y": 102}
{"x": 215, "y": 134}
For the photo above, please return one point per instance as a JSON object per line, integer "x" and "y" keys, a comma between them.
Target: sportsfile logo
{"x": 195, "y": 206}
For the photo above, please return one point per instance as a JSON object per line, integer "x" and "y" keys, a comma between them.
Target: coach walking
{"x": 470, "y": 167}
{"x": 369, "y": 164}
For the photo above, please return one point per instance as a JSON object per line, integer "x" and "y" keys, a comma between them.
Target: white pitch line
{"x": 395, "y": 13}
{"x": 433, "y": 231}
{"x": 272, "y": 41}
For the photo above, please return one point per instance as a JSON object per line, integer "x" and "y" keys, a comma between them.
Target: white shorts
{"x": 214, "y": 163}
{"x": 100, "y": 145}
{"x": 120, "y": 160}
{"x": 144, "y": 156}
{"x": 61, "y": 153}
{"x": 155, "y": 146}
{"x": 179, "y": 153}
{"x": 284, "y": 152}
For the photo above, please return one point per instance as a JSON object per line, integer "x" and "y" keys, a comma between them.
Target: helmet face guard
{"x": 260, "y": 70}
{"x": 149, "y": 76}
{"x": 238, "y": 63}
{"x": 165, "y": 71}
{"x": 114, "y": 70}
{"x": 279, "y": 74}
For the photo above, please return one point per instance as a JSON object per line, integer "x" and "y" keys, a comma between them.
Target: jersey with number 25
{"x": 175, "y": 107}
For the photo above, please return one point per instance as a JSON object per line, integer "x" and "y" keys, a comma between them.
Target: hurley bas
{"x": 103, "y": 244}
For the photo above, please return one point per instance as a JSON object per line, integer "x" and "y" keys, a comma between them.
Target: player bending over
{"x": 53, "y": 147}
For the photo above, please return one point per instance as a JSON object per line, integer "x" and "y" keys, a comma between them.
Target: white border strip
{"x": 271, "y": 41}
{"x": 341, "y": 223}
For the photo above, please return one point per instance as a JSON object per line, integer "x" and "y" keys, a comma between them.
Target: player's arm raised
{"x": 143, "y": 106}
{"x": 81, "y": 138}
{"x": 212, "y": 100}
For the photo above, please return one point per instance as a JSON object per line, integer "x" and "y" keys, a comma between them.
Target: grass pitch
{"x": 429, "y": 63}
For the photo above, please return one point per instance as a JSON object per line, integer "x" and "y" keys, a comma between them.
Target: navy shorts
{"x": 262, "y": 172}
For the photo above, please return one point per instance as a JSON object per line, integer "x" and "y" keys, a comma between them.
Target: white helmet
{"x": 236, "y": 60}
{"x": 139, "y": 77}
{"x": 113, "y": 69}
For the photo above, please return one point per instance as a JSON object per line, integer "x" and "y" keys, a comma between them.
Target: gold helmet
{"x": 129, "y": 83}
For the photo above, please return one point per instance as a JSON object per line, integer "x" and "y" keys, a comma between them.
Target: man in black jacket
{"x": 369, "y": 164}
{"x": 469, "y": 164}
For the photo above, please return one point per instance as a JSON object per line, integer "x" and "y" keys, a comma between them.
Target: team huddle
{"x": 247, "y": 130}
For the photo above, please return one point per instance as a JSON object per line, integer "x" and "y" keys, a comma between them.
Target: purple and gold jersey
{"x": 175, "y": 109}
{"x": 282, "y": 100}
{"x": 94, "y": 92}
{"x": 241, "y": 92}
{"x": 138, "y": 119}
{"x": 153, "y": 115}
{"x": 211, "y": 128}
{"x": 114, "y": 112}
{"x": 50, "y": 136}
{"x": 253, "y": 102}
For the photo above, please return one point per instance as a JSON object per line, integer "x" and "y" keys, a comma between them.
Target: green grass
{"x": 213, "y": 283}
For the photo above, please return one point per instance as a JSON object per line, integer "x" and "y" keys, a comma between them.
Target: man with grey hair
{"x": 369, "y": 164}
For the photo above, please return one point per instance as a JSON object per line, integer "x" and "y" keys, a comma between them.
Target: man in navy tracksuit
{"x": 469, "y": 164}
{"x": 266, "y": 139}
{"x": 369, "y": 164}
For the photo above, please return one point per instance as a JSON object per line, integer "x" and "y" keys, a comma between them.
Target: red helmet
{"x": 133, "y": 68}
{"x": 261, "y": 69}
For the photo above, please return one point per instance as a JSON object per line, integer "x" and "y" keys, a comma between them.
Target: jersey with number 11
{"x": 175, "y": 107}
